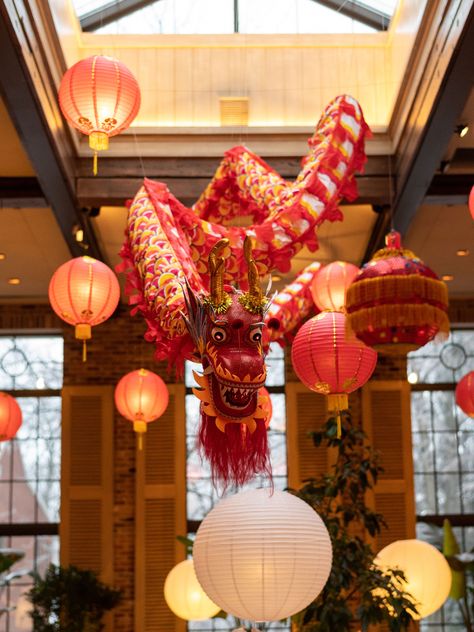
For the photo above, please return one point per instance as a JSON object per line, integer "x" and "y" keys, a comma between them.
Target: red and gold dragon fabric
{"x": 170, "y": 247}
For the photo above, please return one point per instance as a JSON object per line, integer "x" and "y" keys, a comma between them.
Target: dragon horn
{"x": 216, "y": 269}
{"x": 255, "y": 291}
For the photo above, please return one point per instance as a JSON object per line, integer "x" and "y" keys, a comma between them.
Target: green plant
{"x": 70, "y": 600}
{"x": 357, "y": 592}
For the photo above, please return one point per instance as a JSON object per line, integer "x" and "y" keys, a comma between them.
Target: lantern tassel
{"x": 94, "y": 167}
{"x": 140, "y": 441}
{"x": 84, "y": 350}
{"x": 338, "y": 419}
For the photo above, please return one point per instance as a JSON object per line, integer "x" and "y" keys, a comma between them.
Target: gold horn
{"x": 218, "y": 298}
{"x": 255, "y": 290}
{"x": 253, "y": 300}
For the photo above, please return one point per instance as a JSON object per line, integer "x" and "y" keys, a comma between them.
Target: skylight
{"x": 182, "y": 17}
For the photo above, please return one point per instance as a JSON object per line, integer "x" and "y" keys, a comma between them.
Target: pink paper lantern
{"x": 330, "y": 360}
{"x": 471, "y": 202}
{"x": 141, "y": 396}
{"x": 465, "y": 394}
{"x": 84, "y": 292}
{"x": 100, "y": 97}
{"x": 330, "y": 284}
{"x": 10, "y": 417}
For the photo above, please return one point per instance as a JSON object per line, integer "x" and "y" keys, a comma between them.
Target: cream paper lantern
{"x": 426, "y": 570}
{"x": 262, "y": 556}
{"x": 184, "y": 595}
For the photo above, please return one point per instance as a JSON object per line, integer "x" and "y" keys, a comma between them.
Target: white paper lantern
{"x": 184, "y": 595}
{"x": 426, "y": 570}
{"x": 262, "y": 556}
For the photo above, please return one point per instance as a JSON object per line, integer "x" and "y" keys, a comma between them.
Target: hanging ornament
{"x": 226, "y": 327}
{"x": 427, "y": 573}
{"x": 330, "y": 284}
{"x": 330, "y": 360}
{"x": 84, "y": 292}
{"x": 141, "y": 397}
{"x": 465, "y": 394}
{"x": 10, "y": 417}
{"x": 397, "y": 304}
{"x": 262, "y": 555}
{"x": 184, "y": 595}
{"x": 100, "y": 97}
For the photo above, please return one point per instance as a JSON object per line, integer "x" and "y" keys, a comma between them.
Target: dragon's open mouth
{"x": 233, "y": 399}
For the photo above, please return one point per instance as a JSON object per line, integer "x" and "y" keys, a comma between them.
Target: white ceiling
{"x": 34, "y": 247}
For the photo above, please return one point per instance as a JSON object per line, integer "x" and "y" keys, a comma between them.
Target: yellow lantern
{"x": 427, "y": 573}
{"x": 184, "y": 595}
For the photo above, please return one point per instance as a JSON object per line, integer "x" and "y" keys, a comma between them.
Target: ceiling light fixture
{"x": 2, "y": 256}
{"x": 14, "y": 281}
{"x": 462, "y": 252}
{"x": 412, "y": 377}
{"x": 462, "y": 130}
{"x": 447, "y": 277}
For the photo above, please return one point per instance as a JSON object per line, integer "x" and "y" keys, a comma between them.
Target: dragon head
{"x": 226, "y": 327}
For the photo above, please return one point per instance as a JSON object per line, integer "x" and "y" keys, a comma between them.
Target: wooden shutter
{"x": 86, "y": 529}
{"x": 306, "y": 411}
{"x": 160, "y": 514}
{"x": 386, "y": 420}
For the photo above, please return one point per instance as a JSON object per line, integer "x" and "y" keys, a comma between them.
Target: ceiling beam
{"x": 110, "y": 13}
{"x": 373, "y": 18}
{"x": 31, "y": 99}
{"x": 444, "y": 88}
{"x": 21, "y": 193}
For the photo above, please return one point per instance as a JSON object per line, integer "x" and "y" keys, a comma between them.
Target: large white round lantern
{"x": 184, "y": 594}
{"x": 262, "y": 556}
{"x": 426, "y": 570}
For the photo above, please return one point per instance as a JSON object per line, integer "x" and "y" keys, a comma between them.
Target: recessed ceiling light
{"x": 2, "y": 256}
{"x": 14, "y": 281}
{"x": 462, "y": 252}
{"x": 447, "y": 277}
{"x": 462, "y": 130}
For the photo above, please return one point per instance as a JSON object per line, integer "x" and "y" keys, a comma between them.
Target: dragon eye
{"x": 256, "y": 335}
{"x": 218, "y": 334}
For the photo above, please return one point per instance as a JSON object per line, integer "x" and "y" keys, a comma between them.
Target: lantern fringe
{"x": 397, "y": 288}
{"x": 403, "y": 315}
{"x": 236, "y": 455}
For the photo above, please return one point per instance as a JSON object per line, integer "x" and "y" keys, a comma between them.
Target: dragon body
{"x": 193, "y": 262}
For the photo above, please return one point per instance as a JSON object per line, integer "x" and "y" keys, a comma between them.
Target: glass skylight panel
{"x": 201, "y": 17}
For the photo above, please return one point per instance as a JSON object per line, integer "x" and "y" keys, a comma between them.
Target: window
{"x": 207, "y": 17}
{"x": 201, "y": 495}
{"x": 31, "y": 370}
{"x": 443, "y": 445}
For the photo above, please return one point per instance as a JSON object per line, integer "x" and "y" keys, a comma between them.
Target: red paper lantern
{"x": 100, "y": 97}
{"x": 471, "y": 202}
{"x": 396, "y": 303}
{"x": 330, "y": 284}
{"x": 465, "y": 394}
{"x": 10, "y": 417}
{"x": 330, "y": 360}
{"x": 84, "y": 292}
{"x": 141, "y": 397}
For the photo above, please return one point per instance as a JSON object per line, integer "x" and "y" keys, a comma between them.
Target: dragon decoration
{"x": 184, "y": 267}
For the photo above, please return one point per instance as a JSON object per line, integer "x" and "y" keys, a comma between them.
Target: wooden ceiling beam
{"x": 443, "y": 90}
{"x": 29, "y": 92}
{"x": 99, "y": 191}
{"x": 21, "y": 193}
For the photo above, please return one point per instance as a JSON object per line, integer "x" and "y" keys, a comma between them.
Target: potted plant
{"x": 70, "y": 600}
